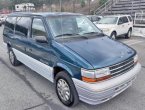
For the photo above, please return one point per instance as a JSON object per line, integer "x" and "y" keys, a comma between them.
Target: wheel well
{"x": 8, "y": 45}
{"x": 57, "y": 70}
{"x": 114, "y": 32}
{"x": 130, "y": 28}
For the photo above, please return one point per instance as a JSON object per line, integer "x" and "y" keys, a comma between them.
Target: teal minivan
{"x": 71, "y": 52}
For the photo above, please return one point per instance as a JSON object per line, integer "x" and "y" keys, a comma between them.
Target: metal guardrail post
{"x": 142, "y": 16}
{"x": 132, "y": 7}
{"x": 140, "y": 3}
{"x": 135, "y": 19}
{"x": 111, "y": 5}
{"x": 105, "y": 7}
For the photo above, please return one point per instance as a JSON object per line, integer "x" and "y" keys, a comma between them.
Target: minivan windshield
{"x": 108, "y": 20}
{"x": 71, "y": 26}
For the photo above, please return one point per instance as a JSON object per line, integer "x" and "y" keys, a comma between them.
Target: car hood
{"x": 105, "y": 26}
{"x": 101, "y": 52}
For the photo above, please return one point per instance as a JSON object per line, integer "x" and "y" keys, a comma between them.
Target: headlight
{"x": 102, "y": 72}
{"x": 95, "y": 75}
{"x": 135, "y": 59}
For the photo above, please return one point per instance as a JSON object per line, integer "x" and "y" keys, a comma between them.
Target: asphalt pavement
{"x": 24, "y": 89}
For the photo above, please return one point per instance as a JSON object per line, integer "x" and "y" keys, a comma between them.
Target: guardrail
{"x": 106, "y": 6}
{"x": 139, "y": 19}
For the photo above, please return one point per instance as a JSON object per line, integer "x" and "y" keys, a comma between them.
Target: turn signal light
{"x": 92, "y": 80}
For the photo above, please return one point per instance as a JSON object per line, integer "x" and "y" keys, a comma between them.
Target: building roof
{"x": 25, "y": 4}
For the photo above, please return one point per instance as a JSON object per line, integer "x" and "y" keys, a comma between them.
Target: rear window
{"x": 10, "y": 25}
{"x": 38, "y": 28}
{"x": 125, "y": 20}
{"x": 22, "y": 26}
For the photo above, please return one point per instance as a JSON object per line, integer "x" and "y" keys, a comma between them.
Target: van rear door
{"x": 8, "y": 33}
{"x": 22, "y": 32}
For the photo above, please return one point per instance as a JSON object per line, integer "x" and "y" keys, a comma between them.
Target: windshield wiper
{"x": 72, "y": 36}
{"x": 67, "y": 34}
{"x": 94, "y": 33}
{"x": 81, "y": 36}
{"x": 91, "y": 33}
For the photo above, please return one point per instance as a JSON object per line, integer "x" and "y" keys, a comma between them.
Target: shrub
{"x": 102, "y": 2}
{"x": 83, "y": 3}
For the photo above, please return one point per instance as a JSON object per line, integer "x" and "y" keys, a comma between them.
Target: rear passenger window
{"x": 10, "y": 25}
{"x": 120, "y": 21}
{"x": 130, "y": 19}
{"x": 22, "y": 26}
{"x": 125, "y": 20}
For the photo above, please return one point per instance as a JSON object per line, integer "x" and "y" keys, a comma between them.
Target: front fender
{"x": 65, "y": 68}
{"x": 74, "y": 71}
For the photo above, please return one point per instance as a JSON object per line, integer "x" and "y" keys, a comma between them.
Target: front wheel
{"x": 65, "y": 89}
{"x": 113, "y": 35}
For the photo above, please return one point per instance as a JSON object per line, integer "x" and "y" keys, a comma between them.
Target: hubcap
{"x": 113, "y": 36}
{"x": 129, "y": 34}
{"x": 11, "y": 57}
{"x": 63, "y": 90}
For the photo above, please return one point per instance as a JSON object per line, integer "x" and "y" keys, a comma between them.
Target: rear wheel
{"x": 129, "y": 33}
{"x": 65, "y": 89}
{"x": 13, "y": 58}
{"x": 113, "y": 35}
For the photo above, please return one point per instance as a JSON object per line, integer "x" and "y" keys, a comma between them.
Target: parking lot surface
{"x": 23, "y": 89}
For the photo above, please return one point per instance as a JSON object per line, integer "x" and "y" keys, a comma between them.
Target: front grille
{"x": 122, "y": 67}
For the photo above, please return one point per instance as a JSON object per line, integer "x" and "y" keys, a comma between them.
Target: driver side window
{"x": 84, "y": 26}
{"x": 38, "y": 28}
{"x": 120, "y": 21}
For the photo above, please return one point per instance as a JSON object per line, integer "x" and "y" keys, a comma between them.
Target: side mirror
{"x": 40, "y": 39}
{"x": 101, "y": 31}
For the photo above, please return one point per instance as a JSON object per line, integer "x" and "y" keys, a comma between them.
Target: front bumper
{"x": 100, "y": 92}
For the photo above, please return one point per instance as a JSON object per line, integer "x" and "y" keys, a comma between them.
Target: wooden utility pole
{"x": 74, "y": 1}
{"x": 60, "y": 3}
{"x": 89, "y": 1}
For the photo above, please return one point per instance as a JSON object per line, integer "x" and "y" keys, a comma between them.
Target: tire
{"x": 113, "y": 35}
{"x": 12, "y": 58}
{"x": 67, "y": 90}
{"x": 128, "y": 35}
